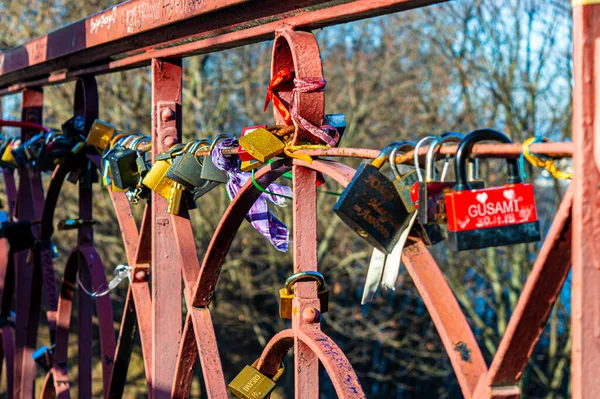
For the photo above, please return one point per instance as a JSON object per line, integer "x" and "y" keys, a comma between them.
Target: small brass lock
{"x": 286, "y": 294}
{"x": 261, "y": 144}
{"x": 100, "y": 134}
{"x": 156, "y": 179}
{"x": 7, "y": 157}
{"x": 252, "y": 384}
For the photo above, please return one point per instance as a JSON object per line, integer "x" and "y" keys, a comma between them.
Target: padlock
{"x": 7, "y": 157}
{"x": 3, "y": 147}
{"x": 247, "y": 166}
{"x": 123, "y": 167}
{"x": 370, "y": 205}
{"x": 432, "y": 209}
{"x": 286, "y": 294}
{"x": 243, "y": 154}
{"x": 18, "y": 234}
{"x": 156, "y": 179}
{"x": 429, "y": 234}
{"x": 337, "y": 121}
{"x": 261, "y": 144}
{"x": 187, "y": 167}
{"x": 489, "y": 217}
{"x": 252, "y": 384}
{"x": 101, "y": 134}
{"x": 431, "y": 192}
{"x": 175, "y": 198}
{"x": 209, "y": 170}
{"x": 74, "y": 127}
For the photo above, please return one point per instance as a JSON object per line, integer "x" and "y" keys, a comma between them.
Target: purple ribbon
{"x": 259, "y": 215}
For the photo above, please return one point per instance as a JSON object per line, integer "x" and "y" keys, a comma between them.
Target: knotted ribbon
{"x": 301, "y": 85}
{"x": 259, "y": 215}
{"x": 540, "y": 161}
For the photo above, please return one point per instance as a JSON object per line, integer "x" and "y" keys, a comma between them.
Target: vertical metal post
{"x": 165, "y": 267}
{"x": 586, "y": 217}
{"x": 86, "y": 104}
{"x": 30, "y": 204}
{"x": 306, "y": 362}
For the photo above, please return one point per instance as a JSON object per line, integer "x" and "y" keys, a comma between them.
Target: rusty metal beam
{"x": 99, "y": 43}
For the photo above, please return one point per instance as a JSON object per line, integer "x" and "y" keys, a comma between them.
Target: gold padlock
{"x": 247, "y": 166}
{"x": 286, "y": 294}
{"x": 252, "y": 384}
{"x": 156, "y": 179}
{"x": 7, "y": 156}
{"x": 100, "y": 134}
{"x": 261, "y": 144}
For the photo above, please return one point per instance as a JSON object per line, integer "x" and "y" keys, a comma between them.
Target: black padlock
{"x": 75, "y": 128}
{"x": 430, "y": 234}
{"x": 123, "y": 167}
{"x": 186, "y": 168}
{"x": 18, "y": 234}
{"x": 370, "y": 205}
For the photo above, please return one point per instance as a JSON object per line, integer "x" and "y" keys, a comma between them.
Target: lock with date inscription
{"x": 489, "y": 217}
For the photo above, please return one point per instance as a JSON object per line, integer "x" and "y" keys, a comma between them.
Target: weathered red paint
{"x": 140, "y": 32}
{"x": 231, "y": 23}
{"x": 585, "y": 358}
{"x": 30, "y": 201}
{"x": 533, "y": 308}
{"x": 165, "y": 266}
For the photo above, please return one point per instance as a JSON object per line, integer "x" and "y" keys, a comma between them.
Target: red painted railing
{"x": 147, "y": 32}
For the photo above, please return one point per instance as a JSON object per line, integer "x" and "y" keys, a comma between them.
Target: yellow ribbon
{"x": 290, "y": 151}
{"x": 547, "y": 164}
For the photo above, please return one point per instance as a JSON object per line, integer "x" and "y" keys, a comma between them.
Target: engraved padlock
{"x": 370, "y": 205}
{"x": 250, "y": 383}
{"x": 489, "y": 217}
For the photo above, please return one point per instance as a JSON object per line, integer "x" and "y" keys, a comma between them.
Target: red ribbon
{"x": 305, "y": 85}
{"x": 280, "y": 77}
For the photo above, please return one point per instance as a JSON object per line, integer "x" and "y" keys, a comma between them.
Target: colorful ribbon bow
{"x": 259, "y": 215}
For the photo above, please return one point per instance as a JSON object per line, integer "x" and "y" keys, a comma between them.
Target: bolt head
{"x": 169, "y": 141}
{"x": 167, "y": 114}
{"x": 311, "y": 315}
{"x": 141, "y": 275}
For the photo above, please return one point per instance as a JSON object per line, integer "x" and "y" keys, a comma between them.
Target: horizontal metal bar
{"x": 555, "y": 150}
{"x": 139, "y": 30}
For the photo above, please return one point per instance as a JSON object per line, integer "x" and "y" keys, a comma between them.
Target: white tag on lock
{"x": 373, "y": 275}
{"x": 394, "y": 260}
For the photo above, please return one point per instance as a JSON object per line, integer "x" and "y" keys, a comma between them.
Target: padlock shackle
{"x": 464, "y": 150}
{"x": 384, "y": 154}
{"x": 434, "y": 148}
{"x": 305, "y": 276}
{"x": 421, "y": 143}
{"x": 401, "y": 145}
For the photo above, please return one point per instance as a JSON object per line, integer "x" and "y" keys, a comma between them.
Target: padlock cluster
{"x": 45, "y": 150}
{"x": 421, "y": 204}
{"x": 180, "y": 174}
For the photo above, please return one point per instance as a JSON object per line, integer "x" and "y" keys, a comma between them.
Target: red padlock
{"x": 494, "y": 216}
